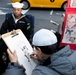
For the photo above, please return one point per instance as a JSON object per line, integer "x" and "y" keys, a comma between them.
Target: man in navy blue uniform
{"x": 17, "y": 20}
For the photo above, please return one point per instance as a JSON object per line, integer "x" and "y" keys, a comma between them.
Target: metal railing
{"x": 62, "y": 15}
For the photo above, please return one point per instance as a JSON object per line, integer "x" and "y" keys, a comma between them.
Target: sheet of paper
{"x": 73, "y": 3}
{"x": 23, "y": 49}
{"x": 70, "y": 30}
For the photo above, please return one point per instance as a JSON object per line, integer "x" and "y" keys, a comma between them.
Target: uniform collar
{"x": 22, "y": 15}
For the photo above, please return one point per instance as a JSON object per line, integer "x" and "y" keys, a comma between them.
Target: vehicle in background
{"x": 44, "y": 3}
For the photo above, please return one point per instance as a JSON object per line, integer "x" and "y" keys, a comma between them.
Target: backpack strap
{"x": 28, "y": 22}
{"x": 30, "y": 19}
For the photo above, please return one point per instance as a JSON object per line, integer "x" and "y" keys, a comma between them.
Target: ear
{"x": 39, "y": 50}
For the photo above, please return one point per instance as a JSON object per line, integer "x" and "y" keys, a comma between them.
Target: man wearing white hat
{"x": 52, "y": 60}
{"x": 16, "y": 21}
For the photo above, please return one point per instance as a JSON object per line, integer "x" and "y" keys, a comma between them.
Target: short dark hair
{"x": 48, "y": 49}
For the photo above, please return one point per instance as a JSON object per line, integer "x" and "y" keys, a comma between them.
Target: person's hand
{"x": 34, "y": 56}
{"x": 12, "y": 56}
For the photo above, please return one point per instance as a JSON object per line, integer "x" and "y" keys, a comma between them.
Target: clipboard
{"x": 16, "y": 40}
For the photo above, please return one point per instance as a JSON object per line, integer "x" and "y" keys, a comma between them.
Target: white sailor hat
{"x": 17, "y": 5}
{"x": 44, "y": 37}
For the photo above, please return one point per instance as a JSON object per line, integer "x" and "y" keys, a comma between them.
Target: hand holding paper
{"x": 12, "y": 56}
{"x": 23, "y": 50}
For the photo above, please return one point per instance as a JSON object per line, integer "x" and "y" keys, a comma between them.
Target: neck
{"x": 45, "y": 55}
{"x": 44, "y": 59}
{"x": 17, "y": 17}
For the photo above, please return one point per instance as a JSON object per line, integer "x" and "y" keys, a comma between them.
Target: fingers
{"x": 9, "y": 52}
{"x": 12, "y": 56}
{"x": 34, "y": 56}
{"x": 15, "y": 54}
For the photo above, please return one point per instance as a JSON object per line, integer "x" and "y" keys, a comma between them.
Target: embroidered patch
{"x": 21, "y": 22}
{"x": 28, "y": 27}
{"x": 28, "y": 23}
